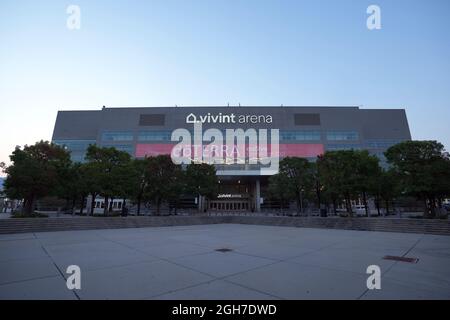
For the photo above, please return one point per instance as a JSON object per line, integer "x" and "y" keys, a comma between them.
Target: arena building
{"x": 296, "y": 131}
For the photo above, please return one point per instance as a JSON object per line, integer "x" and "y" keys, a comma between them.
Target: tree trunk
{"x": 106, "y": 206}
{"x": 365, "y": 203}
{"x": 319, "y": 200}
{"x": 158, "y": 206}
{"x": 348, "y": 203}
{"x": 432, "y": 207}
{"x": 139, "y": 205}
{"x": 82, "y": 205}
{"x": 123, "y": 206}
{"x": 28, "y": 205}
{"x": 73, "y": 206}
{"x": 426, "y": 212}
{"x": 298, "y": 199}
{"x": 334, "y": 206}
{"x": 377, "y": 204}
{"x": 387, "y": 206}
{"x": 110, "y": 207}
{"x": 93, "y": 203}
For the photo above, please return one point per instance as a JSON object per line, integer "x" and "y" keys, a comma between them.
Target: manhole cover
{"x": 224, "y": 250}
{"x": 401, "y": 259}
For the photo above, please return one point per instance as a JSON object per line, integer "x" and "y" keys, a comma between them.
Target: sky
{"x": 213, "y": 52}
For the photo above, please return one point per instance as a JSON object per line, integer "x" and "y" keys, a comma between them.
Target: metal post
{"x": 258, "y": 196}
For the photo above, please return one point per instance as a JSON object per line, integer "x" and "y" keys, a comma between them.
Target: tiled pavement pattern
{"x": 181, "y": 263}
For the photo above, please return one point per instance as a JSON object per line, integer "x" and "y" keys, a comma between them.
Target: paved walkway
{"x": 181, "y": 263}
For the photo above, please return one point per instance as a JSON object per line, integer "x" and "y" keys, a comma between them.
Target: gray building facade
{"x": 303, "y": 131}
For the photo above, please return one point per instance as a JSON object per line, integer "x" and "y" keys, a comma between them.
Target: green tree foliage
{"x": 338, "y": 175}
{"x": 139, "y": 181}
{"x": 280, "y": 188}
{"x": 366, "y": 172}
{"x": 423, "y": 170}
{"x": 36, "y": 171}
{"x": 91, "y": 181}
{"x": 348, "y": 174}
{"x": 385, "y": 188}
{"x": 162, "y": 178}
{"x": 72, "y": 185}
{"x": 300, "y": 174}
{"x": 201, "y": 179}
{"x": 110, "y": 168}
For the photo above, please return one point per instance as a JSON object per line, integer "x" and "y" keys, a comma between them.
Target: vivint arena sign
{"x": 231, "y": 118}
{"x": 237, "y": 146}
{"x": 228, "y": 145}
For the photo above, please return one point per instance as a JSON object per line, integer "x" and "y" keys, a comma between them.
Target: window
{"x": 121, "y": 147}
{"x": 154, "y": 136}
{"x": 118, "y": 136}
{"x": 152, "y": 119}
{"x": 382, "y": 144}
{"x": 307, "y": 119}
{"x": 336, "y": 147}
{"x": 383, "y": 161}
{"x": 77, "y": 148}
{"x": 342, "y": 135}
{"x": 307, "y": 135}
{"x": 76, "y": 157}
{"x": 74, "y": 145}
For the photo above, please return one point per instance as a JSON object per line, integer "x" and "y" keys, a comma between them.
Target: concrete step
{"x": 441, "y": 227}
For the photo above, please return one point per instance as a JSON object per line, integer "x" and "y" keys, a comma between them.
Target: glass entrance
{"x": 229, "y": 205}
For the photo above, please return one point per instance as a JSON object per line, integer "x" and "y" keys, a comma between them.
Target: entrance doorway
{"x": 230, "y": 205}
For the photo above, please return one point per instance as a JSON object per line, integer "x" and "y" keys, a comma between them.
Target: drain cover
{"x": 224, "y": 250}
{"x": 401, "y": 259}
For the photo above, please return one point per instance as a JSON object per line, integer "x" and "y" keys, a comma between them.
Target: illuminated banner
{"x": 286, "y": 150}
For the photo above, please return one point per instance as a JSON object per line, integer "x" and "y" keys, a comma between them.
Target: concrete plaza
{"x": 182, "y": 263}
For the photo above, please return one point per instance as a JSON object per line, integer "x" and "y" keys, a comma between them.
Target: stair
{"x": 437, "y": 227}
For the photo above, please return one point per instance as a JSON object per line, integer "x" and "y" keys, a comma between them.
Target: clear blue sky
{"x": 214, "y": 52}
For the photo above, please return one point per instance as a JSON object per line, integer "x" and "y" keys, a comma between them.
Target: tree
{"x": 347, "y": 173}
{"x": 36, "y": 171}
{"x": 71, "y": 185}
{"x": 90, "y": 173}
{"x": 423, "y": 170}
{"x": 367, "y": 170}
{"x": 280, "y": 188}
{"x": 385, "y": 188}
{"x": 161, "y": 176}
{"x": 300, "y": 174}
{"x": 337, "y": 169}
{"x": 139, "y": 181}
{"x": 201, "y": 180}
{"x": 110, "y": 168}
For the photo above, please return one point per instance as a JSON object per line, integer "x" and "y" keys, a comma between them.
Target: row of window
{"x": 101, "y": 204}
{"x": 121, "y": 147}
{"x": 300, "y": 135}
{"x": 74, "y": 145}
{"x": 336, "y": 147}
{"x": 382, "y": 144}
{"x": 305, "y": 135}
{"x": 142, "y": 136}
{"x": 342, "y": 135}
{"x": 310, "y": 135}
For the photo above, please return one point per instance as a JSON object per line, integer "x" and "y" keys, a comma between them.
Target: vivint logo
{"x": 228, "y": 118}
